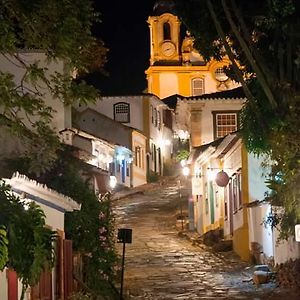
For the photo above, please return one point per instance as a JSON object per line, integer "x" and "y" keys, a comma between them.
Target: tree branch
{"x": 229, "y": 52}
{"x": 249, "y": 39}
{"x": 260, "y": 76}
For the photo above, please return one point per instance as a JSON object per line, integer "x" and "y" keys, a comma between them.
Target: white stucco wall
{"x": 54, "y": 218}
{"x": 139, "y": 173}
{"x": 3, "y": 285}
{"x": 51, "y": 202}
{"x": 259, "y": 233}
{"x": 62, "y": 115}
{"x": 105, "y": 106}
{"x": 285, "y": 250}
{"x": 196, "y": 117}
{"x": 207, "y": 123}
{"x": 257, "y": 188}
{"x": 233, "y": 159}
{"x": 257, "y": 177}
{"x": 233, "y": 162}
{"x": 160, "y": 136}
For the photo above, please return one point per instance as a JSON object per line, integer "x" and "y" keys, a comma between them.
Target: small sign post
{"x": 297, "y": 232}
{"x": 125, "y": 237}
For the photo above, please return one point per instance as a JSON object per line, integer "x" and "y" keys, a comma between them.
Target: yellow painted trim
{"x": 207, "y": 228}
{"x": 227, "y": 237}
{"x": 147, "y": 121}
{"x": 216, "y": 225}
{"x": 138, "y": 134}
{"x": 138, "y": 174}
{"x": 221, "y": 221}
{"x": 245, "y": 179}
{"x": 241, "y": 235}
{"x": 241, "y": 243}
{"x": 177, "y": 69}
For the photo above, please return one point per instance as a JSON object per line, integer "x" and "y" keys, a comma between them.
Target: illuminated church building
{"x": 206, "y": 102}
{"x": 175, "y": 66}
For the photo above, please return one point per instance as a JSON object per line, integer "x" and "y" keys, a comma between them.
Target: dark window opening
{"x": 167, "y": 31}
{"x": 122, "y": 112}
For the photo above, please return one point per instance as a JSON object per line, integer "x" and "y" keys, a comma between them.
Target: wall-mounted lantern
{"x": 222, "y": 178}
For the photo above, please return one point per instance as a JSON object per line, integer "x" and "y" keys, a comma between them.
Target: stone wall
{"x": 288, "y": 274}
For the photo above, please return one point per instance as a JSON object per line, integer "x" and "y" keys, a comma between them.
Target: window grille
{"x": 197, "y": 86}
{"x": 225, "y": 123}
{"x": 122, "y": 112}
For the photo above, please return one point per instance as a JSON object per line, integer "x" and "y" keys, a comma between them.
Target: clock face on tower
{"x": 168, "y": 49}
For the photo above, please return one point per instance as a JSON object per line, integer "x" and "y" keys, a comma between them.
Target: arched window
{"x": 167, "y": 31}
{"x": 220, "y": 75}
{"x": 122, "y": 112}
{"x": 197, "y": 86}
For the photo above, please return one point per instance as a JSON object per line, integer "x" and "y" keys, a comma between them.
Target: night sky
{"x": 124, "y": 29}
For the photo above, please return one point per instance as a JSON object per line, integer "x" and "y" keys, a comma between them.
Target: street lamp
{"x": 186, "y": 171}
{"x": 112, "y": 182}
{"x": 125, "y": 237}
{"x": 180, "y": 202}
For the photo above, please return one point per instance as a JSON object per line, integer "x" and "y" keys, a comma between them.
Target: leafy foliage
{"x": 3, "y": 247}
{"x": 28, "y": 244}
{"x": 42, "y": 45}
{"x": 182, "y": 155}
{"x": 80, "y": 296}
{"x": 92, "y": 228}
{"x": 262, "y": 36}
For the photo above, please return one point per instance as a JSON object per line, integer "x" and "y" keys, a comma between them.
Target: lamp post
{"x": 186, "y": 174}
{"x": 125, "y": 237}
{"x": 180, "y": 201}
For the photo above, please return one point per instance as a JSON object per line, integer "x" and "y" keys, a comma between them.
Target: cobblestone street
{"x": 163, "y": 264}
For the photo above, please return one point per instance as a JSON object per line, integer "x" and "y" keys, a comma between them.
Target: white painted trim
{"x": 27, "y": 185}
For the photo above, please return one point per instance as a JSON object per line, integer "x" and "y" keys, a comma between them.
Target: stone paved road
{"x": 160, "y": 264}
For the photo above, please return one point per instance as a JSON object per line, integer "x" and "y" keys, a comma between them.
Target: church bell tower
{"x": 176, "y": 67}
{"x": 164, "y": 34}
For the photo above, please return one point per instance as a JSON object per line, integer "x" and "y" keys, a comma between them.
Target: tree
{"x": 61, "y": 30}
{"x": 26, "y": 244}
{"x": 92, "y": 227}
{"x": 261, "y": 39}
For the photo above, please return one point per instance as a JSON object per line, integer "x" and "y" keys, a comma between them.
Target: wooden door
{"x": 12, "y": 282}
{"x": 68, "y": 268}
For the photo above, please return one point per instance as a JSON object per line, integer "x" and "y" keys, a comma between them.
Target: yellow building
{"x": 175, "y": 66}
{"x": 220, "y": 188}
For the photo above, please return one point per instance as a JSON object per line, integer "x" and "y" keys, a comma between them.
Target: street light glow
{"x": 183, "y": 162}
{"x": 186, "y": 171}
{"x": 112, "y": 181}
{"x": 211, "y": 175}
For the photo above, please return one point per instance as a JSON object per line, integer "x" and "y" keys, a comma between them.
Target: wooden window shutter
{"x": 167, "y": 118}
{"x": 68, "y": 268}
{"x": 43, "y": 290}
{"x": 12, "y": 282}
{"x": 46, "y": 286}
{"x": 59, "y": 268}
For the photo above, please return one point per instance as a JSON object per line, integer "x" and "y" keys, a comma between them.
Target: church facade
{"x": 176, "y": 67}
